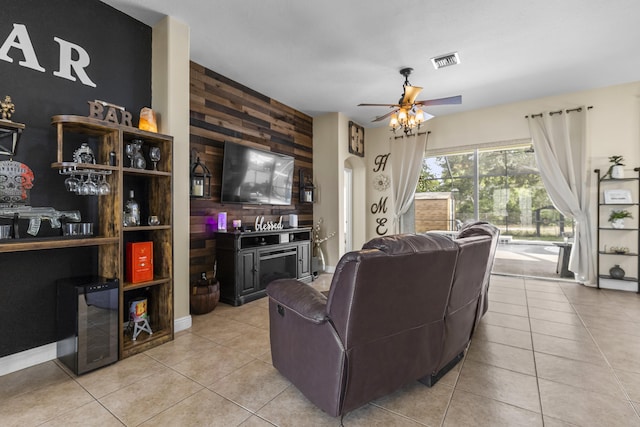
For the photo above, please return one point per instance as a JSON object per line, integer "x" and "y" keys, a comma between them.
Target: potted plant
{"x": 616, "y": 218}
{"x": 616, "y": 170}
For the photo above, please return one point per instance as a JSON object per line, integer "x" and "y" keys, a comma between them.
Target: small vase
{"x": 617, "y": 223}
{"x": 617, "y": 172}
{"x": 319, "y": 256}
{"x": 616, "y": 272}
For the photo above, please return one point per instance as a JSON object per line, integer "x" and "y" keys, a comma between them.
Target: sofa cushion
{"x": 307, "y": 302}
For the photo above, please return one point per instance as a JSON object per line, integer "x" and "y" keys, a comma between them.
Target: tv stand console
{"x": 249, "y": 260}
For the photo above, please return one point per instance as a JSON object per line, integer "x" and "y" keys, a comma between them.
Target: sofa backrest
{"x": 465, "y": 296}
{"x": 387, "y": 303}
{"x": 372, "y": 286}
{"x": 482, "y": 228}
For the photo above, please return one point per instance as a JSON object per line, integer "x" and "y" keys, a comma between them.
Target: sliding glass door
{"x": 502, "y": 186}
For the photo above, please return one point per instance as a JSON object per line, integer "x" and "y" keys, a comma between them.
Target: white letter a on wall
{"x": 19, "y": 38}
{"x": 78, "y": 65}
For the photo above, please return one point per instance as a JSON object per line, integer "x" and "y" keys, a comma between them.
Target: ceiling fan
{"x": 406, "y": 114}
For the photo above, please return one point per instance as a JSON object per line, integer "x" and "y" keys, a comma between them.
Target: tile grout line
{"x": 95, "y": 399}
{"x": 533, "y": 353}
{"x": 499, "y": 367}
{"x": 205, "y": 387}
{"x": 604, "y": 356}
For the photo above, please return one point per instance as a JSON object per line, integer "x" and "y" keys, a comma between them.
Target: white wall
{"x": 613, "y": 122}
{"x": 613, "y": 128}
{"x": 330, "y": 156}
{"x": 327, "y": 176}
{"x": 359, "y": 201}
{"x": 170, "y": 100}
{"x": 377, "y": 145}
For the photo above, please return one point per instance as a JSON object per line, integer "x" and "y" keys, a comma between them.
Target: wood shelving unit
{"x": 607, "y": 235}
{"x": 153, "y": 191}
{"x": 36, "y": 244}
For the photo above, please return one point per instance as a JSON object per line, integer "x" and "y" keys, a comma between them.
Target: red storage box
{"x": 139, "y": 261}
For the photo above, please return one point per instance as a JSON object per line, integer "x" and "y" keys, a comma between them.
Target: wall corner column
{"x": 170, "y": 100}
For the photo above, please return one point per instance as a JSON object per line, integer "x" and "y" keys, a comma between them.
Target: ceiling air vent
{"x": 445, "y": 60}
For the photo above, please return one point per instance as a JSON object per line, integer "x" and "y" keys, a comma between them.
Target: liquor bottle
{"x": 131, "y": 211}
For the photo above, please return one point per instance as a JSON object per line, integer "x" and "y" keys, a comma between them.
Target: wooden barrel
{"x": 203, "y": 299}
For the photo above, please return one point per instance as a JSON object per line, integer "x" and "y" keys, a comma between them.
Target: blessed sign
{"x": 261, "y": 225}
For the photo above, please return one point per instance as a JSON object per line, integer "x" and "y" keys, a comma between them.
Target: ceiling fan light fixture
{"x": 445, "y": 60}
{"x": 394, "y": 121}
{"x": 407, "y": 120}
{"x": 407, "y": 115}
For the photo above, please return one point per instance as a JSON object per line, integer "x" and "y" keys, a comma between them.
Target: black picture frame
{"x": 356, "y": 139}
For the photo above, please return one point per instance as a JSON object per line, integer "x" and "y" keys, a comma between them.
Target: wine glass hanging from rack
{"x": 79, "y": 179}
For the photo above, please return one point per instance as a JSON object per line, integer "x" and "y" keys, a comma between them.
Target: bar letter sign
{"x": 20, "y": 40}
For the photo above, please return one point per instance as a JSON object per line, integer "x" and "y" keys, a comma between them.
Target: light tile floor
{"x": 547, "y": 353}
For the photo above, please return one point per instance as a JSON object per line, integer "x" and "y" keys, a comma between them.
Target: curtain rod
{"x": 419, "y": 133}
{"x": 551, "y": 113}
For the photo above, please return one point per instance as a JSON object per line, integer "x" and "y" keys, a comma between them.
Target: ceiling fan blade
{"x": 410, "y": 94}
{"x": 378, "y": 105}
{"x": 377, "y": 119}
{"x": 441, "y": 101}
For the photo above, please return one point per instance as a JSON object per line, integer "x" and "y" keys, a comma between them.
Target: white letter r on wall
{"x": 66, "y": 63}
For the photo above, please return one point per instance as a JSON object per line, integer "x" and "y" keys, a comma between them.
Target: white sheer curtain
{"x": 559, "y": 140}
{"x": 406, "y": 163}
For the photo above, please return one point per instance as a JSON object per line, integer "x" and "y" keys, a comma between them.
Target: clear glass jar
{"x": 131, "y": 211}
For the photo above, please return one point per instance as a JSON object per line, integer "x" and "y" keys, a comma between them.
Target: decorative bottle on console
{"x": 131, "y": 211}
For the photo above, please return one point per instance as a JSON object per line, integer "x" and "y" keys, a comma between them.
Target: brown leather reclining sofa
{"x": 401, "y": 309}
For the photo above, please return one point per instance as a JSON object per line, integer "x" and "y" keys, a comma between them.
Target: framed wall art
{"x": 616, "y": 197}
{"x": 356, "y": 139}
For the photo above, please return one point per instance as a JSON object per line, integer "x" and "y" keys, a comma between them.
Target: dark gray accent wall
{"x": 119, "y": 48}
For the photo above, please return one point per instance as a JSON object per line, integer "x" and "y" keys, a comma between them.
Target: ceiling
{"x": 330, "y": 55}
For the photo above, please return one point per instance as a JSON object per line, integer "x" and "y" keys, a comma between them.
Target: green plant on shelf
{"x": 615, "y": 161}
{"x": 619, "y": 214}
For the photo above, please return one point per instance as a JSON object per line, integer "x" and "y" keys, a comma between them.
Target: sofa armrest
{"x": 300, "y": 298}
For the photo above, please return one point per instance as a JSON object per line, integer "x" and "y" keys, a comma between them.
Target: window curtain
{"x": 559, "y": 141}
{"x": 407, "y": 153}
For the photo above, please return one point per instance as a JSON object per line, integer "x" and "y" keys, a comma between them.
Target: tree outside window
{"x": 509, "y": 190}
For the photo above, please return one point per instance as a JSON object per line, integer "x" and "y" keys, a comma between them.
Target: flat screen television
{"x": 255, "y": 176}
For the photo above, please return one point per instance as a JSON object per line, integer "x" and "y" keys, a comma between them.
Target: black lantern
{"x": 200, "y": 180}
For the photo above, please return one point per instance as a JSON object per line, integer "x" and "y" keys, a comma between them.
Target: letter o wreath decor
{"x": 381, "y": 182}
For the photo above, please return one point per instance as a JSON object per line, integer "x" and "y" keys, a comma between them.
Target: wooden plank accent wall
{"x": 224, "y": 110}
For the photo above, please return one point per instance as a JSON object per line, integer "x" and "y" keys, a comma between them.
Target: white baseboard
{"x": 34, "y": 356}
{"x": 330, "y": 269}
{"x": 619, "y": 285}
{"x": 24, "y": 359}
{"x": 182, "y": 323}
